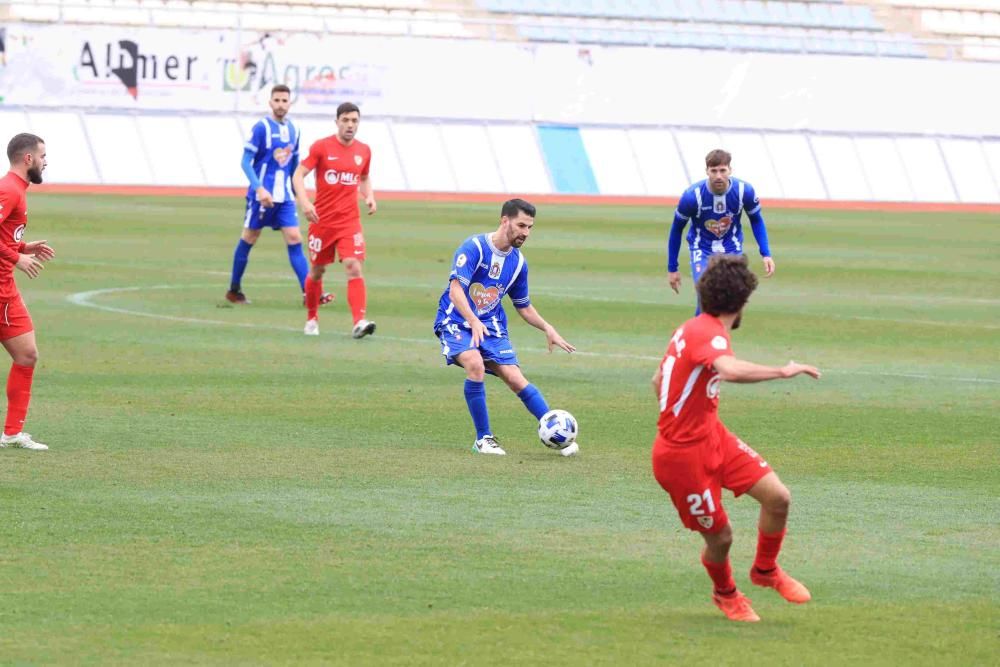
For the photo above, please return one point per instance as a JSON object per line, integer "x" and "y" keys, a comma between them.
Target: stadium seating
{"x": 746, "y": 25}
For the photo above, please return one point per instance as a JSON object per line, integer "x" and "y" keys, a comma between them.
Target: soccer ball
{"x": 557, "y": 429}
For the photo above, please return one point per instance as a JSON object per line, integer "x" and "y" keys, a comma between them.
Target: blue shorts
{"x": 699, "y": 262}
{"x": 456, "y": 339}
{"x": 276, "y": 217}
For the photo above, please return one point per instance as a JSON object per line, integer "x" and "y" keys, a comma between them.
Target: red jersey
{"x": 689, "y": 390}
{"x": 339, "y": 169}
{"x": 13, "y": 220}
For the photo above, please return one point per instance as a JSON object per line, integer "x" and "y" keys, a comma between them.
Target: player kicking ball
{"x": 695, "y": 456}
{"x": 472, "y": 325}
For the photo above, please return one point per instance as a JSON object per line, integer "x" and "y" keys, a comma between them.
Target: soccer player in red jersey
{"x": 26, "y": 153}
{"x": 341, "y": 163}
{"x": 695, "y": 456}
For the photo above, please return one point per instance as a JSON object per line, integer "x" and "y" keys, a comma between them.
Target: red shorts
{"x": 14, "y": 319}
{"x": 695, "y": 475}
{"x": 327, "y": 243}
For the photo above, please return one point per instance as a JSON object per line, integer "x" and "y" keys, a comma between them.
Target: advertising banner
{"x": 224, "y": 70}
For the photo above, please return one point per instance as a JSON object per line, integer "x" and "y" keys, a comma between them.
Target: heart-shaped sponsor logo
{"x": 719, "y": 227}
{"x": 484, "y": 297}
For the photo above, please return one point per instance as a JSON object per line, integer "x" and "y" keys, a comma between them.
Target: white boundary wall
{"x": 118, "y": 148}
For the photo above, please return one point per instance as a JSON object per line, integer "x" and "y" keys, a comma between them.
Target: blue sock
{"x": 298, "y": 262}
{"x": 240, "y": 259}
{"x": 475, "y": 398}
{"x": 533, "y": 400}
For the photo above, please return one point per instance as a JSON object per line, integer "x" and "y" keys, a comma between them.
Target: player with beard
{"x": 26, "y": 153}
{"x": 715, "y": 208}
{"x": 270, "y": 157}
{"x": 695, "y": 456}
{"x": 342, "y": 164}
{"x": 472, "y": 325}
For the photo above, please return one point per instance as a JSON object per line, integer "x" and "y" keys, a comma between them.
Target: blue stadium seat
{"x": 778, "y": 12}
{"x": 788, "y": 43}
{"x": 820, "y": 15}
{"x": 863, "y": 17}
{"x": 733, "y": 11}
{"x": 668, "y": 38}
{"x": 798, "y": 14}
{"x": 690, "y": 9}
{"x": 843, "y": 18}
{"x": 757, "y": 13}
{"x": 667, "y": 10}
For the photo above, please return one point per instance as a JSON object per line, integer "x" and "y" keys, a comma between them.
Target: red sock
{"x": 357, "y": 298}
{"x": 768, "y": 546}
{"x": 18, "y": 397}
{"x": 314, "y": 290}
{"x": 721, "y": 574}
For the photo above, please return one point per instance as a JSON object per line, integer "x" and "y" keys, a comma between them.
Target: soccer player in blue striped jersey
{"x": 270, "y": 157}
{"x": 715, "y": 207}
{"x": 472, "y": 325}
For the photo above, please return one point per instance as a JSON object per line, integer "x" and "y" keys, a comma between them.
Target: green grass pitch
{"x": 223, "y": 490}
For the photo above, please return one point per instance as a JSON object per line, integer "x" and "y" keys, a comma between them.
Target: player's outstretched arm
{"x": 732, "y": 369}
{"x": 299, "y": 187}
{"x": 531, "y": 316}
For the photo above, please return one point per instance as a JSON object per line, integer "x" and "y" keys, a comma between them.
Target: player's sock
{"x": 475, "y": 398}
{"x": 18, "y": 397}
{"x": 314, "y": 290}
{"x": 240, "y": 259}
{"x": 298, "y": 262}
{"x": 533, "y": 400}
{"x": 357, "y": 298}
{"x": 768, "y": 546}
{"x": 721, "y": 574}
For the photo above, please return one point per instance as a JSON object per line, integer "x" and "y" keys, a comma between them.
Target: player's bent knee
{"x": 778, "y": 501}
{"x": 721, "y": 540}
{"x": 26, "y": 358}
{"x": 782, "y": 500}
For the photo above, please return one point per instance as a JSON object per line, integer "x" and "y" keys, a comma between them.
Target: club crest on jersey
{"x": 484, "y": 298}
{"x": 282, "y": 155}
{"x": 357, "y": 160}
{"x": 719, "y": 227}
{"x": 18, "y": 233}
{"x": 706, "y": 522}
{"x": 495, "y": 270}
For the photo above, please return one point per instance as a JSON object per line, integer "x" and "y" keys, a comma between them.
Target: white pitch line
{"x": 84, "y": 299}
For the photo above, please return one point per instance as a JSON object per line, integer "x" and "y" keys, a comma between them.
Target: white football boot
{"x": 572, "y": 450}
{"x": 22, "y": 440}
{"x": 363, "y": 328}
{"x": 488, "y": 445}
{"x": 312, "y": 328}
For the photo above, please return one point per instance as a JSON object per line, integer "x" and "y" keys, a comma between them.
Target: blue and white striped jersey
{"x": 716, "y": 224}
{"x": 486, "y": 275}
{"x": 275, "y": 150}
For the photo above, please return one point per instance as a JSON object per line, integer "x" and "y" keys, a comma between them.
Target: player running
{"x": 715, "y": 207}
{"x": 695, "y": 456}
{"x": 270, "y": 157}
{"x": 26, "y": 153}
{"x": 472, "y": 325}
{"x": 341, "y": 163}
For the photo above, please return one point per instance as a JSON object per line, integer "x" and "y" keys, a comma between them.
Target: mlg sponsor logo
{"x": 126, "y": 61}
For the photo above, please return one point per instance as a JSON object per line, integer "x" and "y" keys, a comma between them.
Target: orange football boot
{"x": 779, "y": 580}
{"x": 736, "y": 607}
